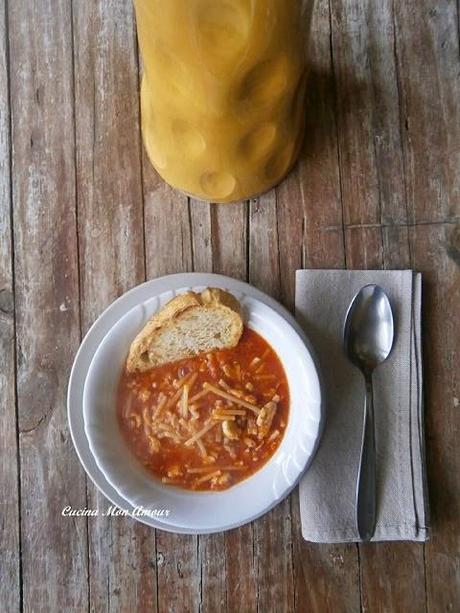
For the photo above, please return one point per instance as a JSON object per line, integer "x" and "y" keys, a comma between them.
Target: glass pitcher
{"x": 222, "y": 94}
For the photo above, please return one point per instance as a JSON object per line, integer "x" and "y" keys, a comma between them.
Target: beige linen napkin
{"x": 327, "y": 491}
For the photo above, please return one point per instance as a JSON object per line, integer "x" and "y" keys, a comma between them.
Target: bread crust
{"x": 209, "y": 298}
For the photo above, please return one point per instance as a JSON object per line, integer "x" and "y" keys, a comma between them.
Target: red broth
{"x": 208, "y": 422}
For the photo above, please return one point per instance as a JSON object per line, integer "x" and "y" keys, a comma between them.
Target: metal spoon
{"x": 368, "y": 339}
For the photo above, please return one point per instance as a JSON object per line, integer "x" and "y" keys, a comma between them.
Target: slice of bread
{"x": 186, "y": 326}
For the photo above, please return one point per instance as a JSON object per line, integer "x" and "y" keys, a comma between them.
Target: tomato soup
{"x": 207, "y": 422}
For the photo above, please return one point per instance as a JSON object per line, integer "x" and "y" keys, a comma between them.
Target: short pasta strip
{"x": 180, "y": 382}
{"x": 161, "y": 405}
{"x": 201, "y": 469}
{"x": 184, "y": 401}
{"x": 202, "y": 448}
{"x": 229, "y": 389}
{"x": 238, "y": 412}
{"x": 196, "y": 397}
{"x": 214, "y": 468}
{"x": 216, "y": 473}
{"x": 173, "y": 400}
{"x": 222, "y": 394}
{"x": 199, "y": 434}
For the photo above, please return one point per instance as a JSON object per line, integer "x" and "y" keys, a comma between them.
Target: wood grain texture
{"x": 388, "y": 572}
{"x": 111, "y": 256}
{"x": 435, "y": 251}
{"x": 241, "y": 570}
{"x": 108, "y": 154}
{"x": 53, "y": 548}
{"x": 377, "y": 186}
{"x": 311, "y": 235}
{"x": 168, "y": 241}
{"x": 381, "y": 185}
{"x": 229, "y": 231}
{"x": 202, "y": 245}
{"x": 427, "y": 50}
{"x": 10, "y": 571}
{"x": 264, "y": 248}
{"x": 272, "y": 533}
{"x": 352, "y": 74}
{"x": 214, "y": 580}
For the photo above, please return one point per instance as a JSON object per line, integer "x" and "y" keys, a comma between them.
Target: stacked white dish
{"x": 112, "y": 467}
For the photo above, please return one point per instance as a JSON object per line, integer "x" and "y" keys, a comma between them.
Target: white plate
{"x": 118, "y": 475}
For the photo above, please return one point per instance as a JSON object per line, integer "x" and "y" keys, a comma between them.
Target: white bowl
{"x": 203, "y": 512}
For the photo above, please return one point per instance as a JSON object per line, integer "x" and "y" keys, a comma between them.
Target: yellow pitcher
{"x": 223, "y": 88}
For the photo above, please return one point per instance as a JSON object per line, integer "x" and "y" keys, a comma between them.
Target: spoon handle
{"x": 365, "y": 487}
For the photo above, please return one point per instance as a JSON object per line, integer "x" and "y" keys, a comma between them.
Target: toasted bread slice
{"x": 188, "y": 325}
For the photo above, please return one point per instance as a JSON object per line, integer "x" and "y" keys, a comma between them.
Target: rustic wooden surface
{"x": 83, "y": 218}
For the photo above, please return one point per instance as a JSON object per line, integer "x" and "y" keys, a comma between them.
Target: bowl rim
{"x": 183, "y": 281}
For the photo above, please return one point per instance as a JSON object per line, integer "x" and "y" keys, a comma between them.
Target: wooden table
{"x": 83, "y": 218}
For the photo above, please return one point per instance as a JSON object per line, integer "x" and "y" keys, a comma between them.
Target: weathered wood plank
{"x": 291, "y": 223}
{"x": 110, "y": 200}
{"x": 132, "y": 561}
{"x": 10, "y": 592}
{"x": 178, "y": 571}
{"x": 427, "y": 50}
{"x": 200, "y": 224}
{"x": 168, "y": 242}
{"x": 389, "y": 573}
{"x": 388, "y": 570}
{"x": 331, "y": 569}
{"x": 436, "y": 252}
{"x": 364, "y": 33}
{"x": 386, "y": 116}
{"x": 272, "y": 533}
{"x": 352, "y": 71}
{"x": 311, "y": 235}
{"x": 318, "y": 171}
{"x": 229, "y": 232}
{"x": 46, "y": 298}
{"x": 122, "y": 560}
{"x": 364, "y": 248}
{"x": 326, "y": 576}
{"x": 264, "y": 249}
{"x": 240, "y": 569}
{"x": 213, "y": 563}
{"x": 396, "y": 251}
{"x": 273, "y": 559}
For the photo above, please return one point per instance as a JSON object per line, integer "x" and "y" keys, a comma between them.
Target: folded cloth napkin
{"x": 327, "y": 490}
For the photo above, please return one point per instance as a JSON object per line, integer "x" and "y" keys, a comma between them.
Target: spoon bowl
{"x": 369, "y": 328}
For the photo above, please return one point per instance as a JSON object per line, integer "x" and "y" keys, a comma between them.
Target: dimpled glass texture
{"x": 222, "y": 95}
